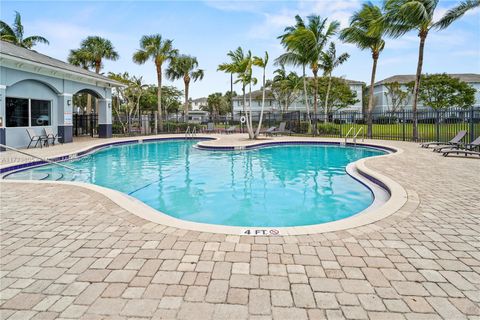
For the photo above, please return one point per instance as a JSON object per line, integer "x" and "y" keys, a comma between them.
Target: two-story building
{"x": 383, "y": 102}
{"x": 273, "y": 105}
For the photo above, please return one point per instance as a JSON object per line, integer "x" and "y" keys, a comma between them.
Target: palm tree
{"x": 14, "y": 34}
{"x": 406, "y": 15}
{"x": 362, "y": 33}
{"x": 93, "y": 50}
{"x": 241, "y": 66}
{"x": 186, "y": 68}
{"x": 309, "y": 40}
{"x": 295, "y": 56}
{"x": 160, "y": 51}
{"x": 80, "y": 58}
{"x": 330, "y": 61}
{"x": 262, "y": 63}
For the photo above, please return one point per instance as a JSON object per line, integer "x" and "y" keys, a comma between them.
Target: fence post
{"x": 404, "y": 120}
{"x": 437, "y": 125}
{"x": 472, "y": 127}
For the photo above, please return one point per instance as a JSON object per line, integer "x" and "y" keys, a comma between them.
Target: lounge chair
{"x": 454, "y": 142}
{"x": 210, "y": 128}
{"x": 460, "y": 151}
{"x": 269, "y": 131}
{"x": 468, "y": 148}
{"x": 37, "y": 139}
{"x": 282, "y": 130}
{"x": 50, "y": 135}
{"x": 231, "y": 129}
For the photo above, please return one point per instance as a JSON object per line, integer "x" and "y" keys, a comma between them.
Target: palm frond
{"x": 455, "y": 13}
{"x": 29, "y": 42}
{"x": 17, "y": 26}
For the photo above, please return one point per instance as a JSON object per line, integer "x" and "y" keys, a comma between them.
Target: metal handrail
{"x": 194, "y": 132}
{"x": 36, "y": 157}
{"x": 346, "y": 136}
{"x": 358, "y": 132}
{"x": 187, "y": 132}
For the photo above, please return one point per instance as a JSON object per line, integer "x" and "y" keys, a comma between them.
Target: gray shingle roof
{"x": 9, "y": 49}
{"x": 405, "y": 78}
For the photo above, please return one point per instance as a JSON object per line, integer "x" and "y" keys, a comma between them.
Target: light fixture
{"x": 69, "y": 102}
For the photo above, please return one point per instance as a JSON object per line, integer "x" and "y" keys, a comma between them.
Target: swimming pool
{"x": 277, "y": 186}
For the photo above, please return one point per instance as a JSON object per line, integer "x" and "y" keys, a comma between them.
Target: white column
{"x": 105, "y": 118}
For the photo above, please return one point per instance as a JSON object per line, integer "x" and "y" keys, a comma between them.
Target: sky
{"x": 209, "y": 29}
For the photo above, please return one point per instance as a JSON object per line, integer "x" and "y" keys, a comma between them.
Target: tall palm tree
{"x": 362, "y": 33}
{"x": 241, "y": 66}
{"x": 14, "y": 34}
{"x": 262, "y": 63}
{"x": 186, "y": 68}
{"x": 309, "y": 40}
{"x": 94, "y": 50}
{"x": 406, "y": 15}
{"x": 329, "y": 61}
{"x": 160, "y": 51}
{"x": 295, "y": 56}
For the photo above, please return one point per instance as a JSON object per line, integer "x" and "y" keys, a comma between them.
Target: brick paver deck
{"x": 70, "y": 253}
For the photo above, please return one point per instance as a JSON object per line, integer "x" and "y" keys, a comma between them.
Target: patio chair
{"x": 455, "y": 141}
{"x": 50, "y": 135}
{"x": 269, "y": 131}
{"x": 34, "y": 138}
{"x": 468, "y": 148}
{"x": 231, "y": 129}
{"x": 210, "y": 128}
{"x": 282, "y": 129}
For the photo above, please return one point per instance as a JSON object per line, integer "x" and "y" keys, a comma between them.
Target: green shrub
{"x": 328, "y": 129}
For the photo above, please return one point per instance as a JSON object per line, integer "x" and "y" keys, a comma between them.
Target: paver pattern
{"x": 71, "y": 253}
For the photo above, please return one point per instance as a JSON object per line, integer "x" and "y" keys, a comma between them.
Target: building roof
{"x": 15, "y": 52}
{"x": 202, "y": 99}
{"x": 405, "y": 78}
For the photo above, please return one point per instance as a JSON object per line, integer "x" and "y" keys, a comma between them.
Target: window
{"x": 27, "y": 112}
{"x": 40, "y": 113}
{"x": 16, "y": 112}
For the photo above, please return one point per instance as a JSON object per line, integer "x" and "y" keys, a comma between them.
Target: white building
{"x": 272, "y": 105}
{"x": 383, "y": 102}
{"x": 197, "y": 104}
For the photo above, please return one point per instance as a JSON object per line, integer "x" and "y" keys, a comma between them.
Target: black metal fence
{"x": 438, "y": 125}
{"x": 85, "y": 124}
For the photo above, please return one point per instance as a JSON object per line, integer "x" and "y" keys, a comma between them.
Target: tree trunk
{"x": 370, "y": 96}
{"x": 185, "y": 108}
{"x": 423, "y": 36}
{"x": 306, "y": 94}
{"x": 327, "y": 95}
{"x": 231, "y": 93}
{"x": 263, "y": 105}
{"x": 249, "y": 117}
{"x": 159, "y": 97}
{"x": 98, "y": 65}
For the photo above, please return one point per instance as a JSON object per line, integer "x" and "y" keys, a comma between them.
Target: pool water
{"x": 287, "y": 185}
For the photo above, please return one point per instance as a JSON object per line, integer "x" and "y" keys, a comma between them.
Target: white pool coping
{"x": 375, "y": 212}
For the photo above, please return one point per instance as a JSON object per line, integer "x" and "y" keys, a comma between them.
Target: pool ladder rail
{"x": 190, "y": 133}
{"x": 354, "y": 136}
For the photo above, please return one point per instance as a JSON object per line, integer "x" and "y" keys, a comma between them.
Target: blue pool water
{"x": 288, "y": 185}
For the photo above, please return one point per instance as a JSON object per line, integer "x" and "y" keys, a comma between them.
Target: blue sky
{"x": 209, "y": 29}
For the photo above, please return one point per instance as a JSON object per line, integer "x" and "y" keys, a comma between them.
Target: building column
{"x": 105, "y": 118}
{"x": 3, "y": 136}
{"x": 65, "y": 117}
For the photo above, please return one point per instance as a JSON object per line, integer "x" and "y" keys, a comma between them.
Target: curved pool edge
{"x": 398, "y": 198}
